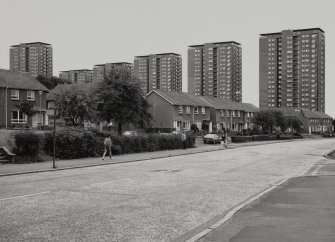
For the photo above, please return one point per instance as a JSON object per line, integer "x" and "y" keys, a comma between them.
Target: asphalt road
{"x": 154, "y": 200}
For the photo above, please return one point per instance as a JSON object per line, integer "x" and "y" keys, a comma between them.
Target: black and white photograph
{"x": 167, "y": 120}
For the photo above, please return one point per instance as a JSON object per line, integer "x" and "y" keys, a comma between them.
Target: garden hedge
{"x": 74, "y": 143}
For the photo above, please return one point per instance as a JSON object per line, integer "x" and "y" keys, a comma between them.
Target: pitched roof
{"x": 19, "y": 80}
{"x": 295, "y": 112}
{"x": 315, "y": 114}
{"x": 222, "y": 103}
{"x": 61, "y": 88}
{"x": 180, "y": 98}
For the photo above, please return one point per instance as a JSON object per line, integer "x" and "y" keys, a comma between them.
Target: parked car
{"x": 328, "y": 134}
{"x": 130, "y": 133}
{"x": 211, "y": 138}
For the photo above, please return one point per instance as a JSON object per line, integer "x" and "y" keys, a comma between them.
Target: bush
{"x": 237, "y": 139}
{"x": 74, "y": 143}
{"x": 27, "y": 143}
{"x": 161, "y": 130}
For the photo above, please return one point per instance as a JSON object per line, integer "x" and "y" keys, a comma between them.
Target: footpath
{"x": 16, "y": 169}
{"x": 301, "y": 209}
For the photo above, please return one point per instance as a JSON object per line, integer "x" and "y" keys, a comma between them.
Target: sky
{"x": 84, "y": 33}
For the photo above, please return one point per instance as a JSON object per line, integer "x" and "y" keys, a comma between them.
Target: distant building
{"x": 34, "y": 58}
{"x": 160, "y": 71}
{"x": 17, "y": 88}
{"x": 292, "y": 69}
{"x": 77, "y": 76}
{"x": 215, "y": 70}
{"x": 314, "y": 122}
{"x": 101, "y": 71}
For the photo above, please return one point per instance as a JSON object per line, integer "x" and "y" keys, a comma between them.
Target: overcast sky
{"x": 84, "y": 33}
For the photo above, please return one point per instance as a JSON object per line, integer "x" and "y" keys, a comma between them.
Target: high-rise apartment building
{"x": 215, "y": 69}
{"x": 34, "y": 58}
{"x": 100, "y": 72}
{"x": 77, "y": 76}
{"x": 159, "y": 71}
{"x": 292, "y": 69}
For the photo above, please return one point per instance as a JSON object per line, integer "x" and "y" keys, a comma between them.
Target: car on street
{"x": 130, "y": 133}
{"x": 211, "y": 138}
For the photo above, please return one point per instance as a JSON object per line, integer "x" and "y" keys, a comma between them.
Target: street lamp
{"x": 40, "y": 93}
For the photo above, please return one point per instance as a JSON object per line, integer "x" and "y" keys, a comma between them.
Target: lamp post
{"x": 40, "y": 94}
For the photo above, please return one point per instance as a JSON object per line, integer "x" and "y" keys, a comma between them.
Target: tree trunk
{"x": 119, "y": 128}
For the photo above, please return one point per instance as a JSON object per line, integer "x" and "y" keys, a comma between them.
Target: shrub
{"x": 74, "y": 143}
{"x": 27, "y": 143}
{"x": 237, "y": 139}
{"x": 161, "y": 130}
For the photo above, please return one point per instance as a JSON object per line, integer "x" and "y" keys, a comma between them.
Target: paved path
{"x": 301, "y": 210}
{"x": 164, "y": 199}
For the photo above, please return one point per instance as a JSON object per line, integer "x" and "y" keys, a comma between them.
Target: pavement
{"x": 301, "y": 209}
{"x": 16, "y": 169}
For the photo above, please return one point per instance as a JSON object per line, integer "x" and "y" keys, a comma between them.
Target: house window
{"x": 180, "y": 110}
{"x": 233, "y": 113}
{"x": 222, "y": 113}
{"x": 238, "y": 114}
{"x": 227, "y": 113}
{"x": 188, "y": 109}
{"x": 30, "y": 95}
{"x": 248, "y": 114}
{"x": 196, "y": 110}
{"x": 18, "y": 117}
{"x": 186, "y": 125}
{"x": 14, "y": 94}
{"x": 203, "y": 110}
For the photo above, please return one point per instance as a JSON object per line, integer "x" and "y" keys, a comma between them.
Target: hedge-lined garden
{"x": 72, "y": 143}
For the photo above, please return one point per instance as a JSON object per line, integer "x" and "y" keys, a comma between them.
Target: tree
{"x": 280, "y": 120}
{"x": 265, "y": 119}
{"x": 120, "y": 100}
{"x": 51, "y": 82}
{"x": 295, "y": 123}
{"x": 76, "y": 105}
{"x": 27, "y": 108}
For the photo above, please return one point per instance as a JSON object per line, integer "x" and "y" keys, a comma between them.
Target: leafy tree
{"x": 265, "y": 119}
{"x": 27, "y": 108}
{"x": 51, "y": 82}
{"x": 295, "y": 123}
{"x": 280, "y": 120}
{"x": 76, "y": 105}
{"x": 120, "y": 100}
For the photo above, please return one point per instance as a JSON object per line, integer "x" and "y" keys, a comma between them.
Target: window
{"x": 180, "y": 110}
{"x": 227, "y": 113}
{"x": 18, "y": 117}
{"x": 203, "y": 110}
{"x": 238, "y": 114}
{"x": 222, "y": 113}
{"x": 248, "y": 114}
{"x": 14, "y": 94}
{"x": 186, "y": 125}
{"x": 233, "y": 113}
{"x": 196, "y": 110}
{"x": 30, "y": 95}
{"x": 188, "y": 109}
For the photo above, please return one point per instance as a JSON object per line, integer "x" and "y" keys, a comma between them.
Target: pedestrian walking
{"x": 183, "y": 139}
{"x": 108, "y": 147}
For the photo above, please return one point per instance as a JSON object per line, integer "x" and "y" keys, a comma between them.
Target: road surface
{"x": 154, "y": 200}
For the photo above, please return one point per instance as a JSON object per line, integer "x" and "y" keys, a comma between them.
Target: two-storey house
{"x": 178, "y": 110}
{"x": 15, "y": 89}
{"x": 226, "y": 114}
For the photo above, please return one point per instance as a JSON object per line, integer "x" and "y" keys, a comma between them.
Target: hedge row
{"x": 78, "y": 143}
{"x": 238, "y": 139}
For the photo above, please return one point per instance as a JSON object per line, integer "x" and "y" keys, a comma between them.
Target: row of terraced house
{"x": 175, "y": 110}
